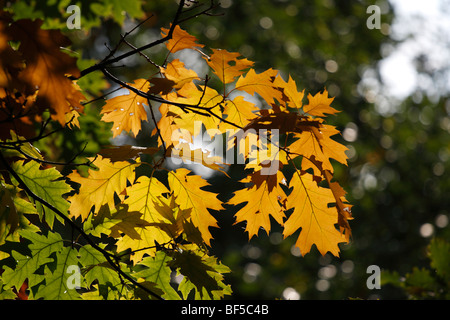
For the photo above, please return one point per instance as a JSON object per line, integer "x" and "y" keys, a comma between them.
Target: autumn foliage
{"x": 130, "y": 232}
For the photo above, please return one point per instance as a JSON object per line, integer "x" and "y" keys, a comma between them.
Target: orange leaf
{"x": 180, "y": 40}
{"x": 167, "y": 128}
{"x": 204, "y": 98}
{"x": 319, "y": 104}
{"x": 317, "y": 142}
{"x": 342, "y": 206}
{"x": 127, "y": 111}
{"x": 47, "y": 67}
{"x": 100, "y": 186}
{"x": 262, "y": 201}
{"x": 176, "y": 72}
{"x": 294, "y": 98}
{"x": 226, "y": 65}
{"x": 189, "y": 195}
{"x": 239, "y": 112}
{"x": 262, "y": 84}
{"x": 313, "y": 216}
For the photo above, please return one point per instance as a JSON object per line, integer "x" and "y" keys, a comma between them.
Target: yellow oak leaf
{"x": 190, "y": 196}
{"x": 264, "y": 198}
{"x": 145, "y": 244}
{"x": 319, "y": 105}
{"x": 262, "y": 84}
{"x": 180, "y": 40}
{"x": 168, "y": 129}
{"x": 127, "y": 223}
{"x": 174, "y": 217}
{"x": 226, "y": 65}
{"x": 317, "y": 143}
{"x": 205, "y": 98}
{"x": 176, "y": 72}
{"x": 294, "y": 98}
{"x": 238, "y": 112}
{"x": 313, "y": 216}
{"x": 145, "y": 196}
{"x": 127, "y": 111}
{"x": 100, "y": 186}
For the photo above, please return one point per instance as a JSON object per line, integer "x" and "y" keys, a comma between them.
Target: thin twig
{"x": 156, "y": 126}
{"x": 141, "y": 53}
{"x": 101, "y": 97}
{"x": 41, "y": 134}
{"x": 70, "y": 163}
{"x": 205, "y": 12}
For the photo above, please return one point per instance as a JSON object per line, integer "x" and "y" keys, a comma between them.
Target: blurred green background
{"x": 392, "y": 85}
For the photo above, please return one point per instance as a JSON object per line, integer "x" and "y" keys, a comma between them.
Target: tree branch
{"x": 156, "y": 126}
{"x": 105, "y": 62}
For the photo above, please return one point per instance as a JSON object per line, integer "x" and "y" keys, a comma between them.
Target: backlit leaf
{"x": 157, "y": 271}
{"x": 144, "y": 197}
{"x": 127, "y": 111}
{"x": 41, "y": 248}
{"x": 201, "y": 273}
{"x": 262, "y": 84}
{"x": 190, "y": 195}
{"x": 319, "y": 105}
{"x": 264, "y": 198}
{"x": 227, "y": 66}
{"x": 100, "y": 186}
{"x": 47, "y": 67}
{"x": 47, "y": 185}
{"x": 294, "y": 98}
{"x": 317, "y": 142}
{"x": 180, "y": 40}
{"x": 313, "y": 216}
{"x": 58, "y": 286}
{"x": 178, "y": 74}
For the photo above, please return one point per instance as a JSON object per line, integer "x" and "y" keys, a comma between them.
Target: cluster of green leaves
{"x": 94, "y": 13}
{"x": 432, "y": 282}
{"x": 42, "y": 259}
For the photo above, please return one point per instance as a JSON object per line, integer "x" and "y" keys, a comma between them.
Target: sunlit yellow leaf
{"x": 264, "y": 198}
{"x": 127, "y": 111}
{"x": 190, "y": 195}
{"x": 100, "y": 186}
{"x": 313, "y": 216}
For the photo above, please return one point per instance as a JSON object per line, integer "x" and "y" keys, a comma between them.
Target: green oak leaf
{"x": 157, "y": 271}
{"x": 202, "y": 273}
{"x": 439, "y": 250}
{"x": 61, "y": 283}
{"x": 46, "y": 184}
{"x": 41, "y": 248}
